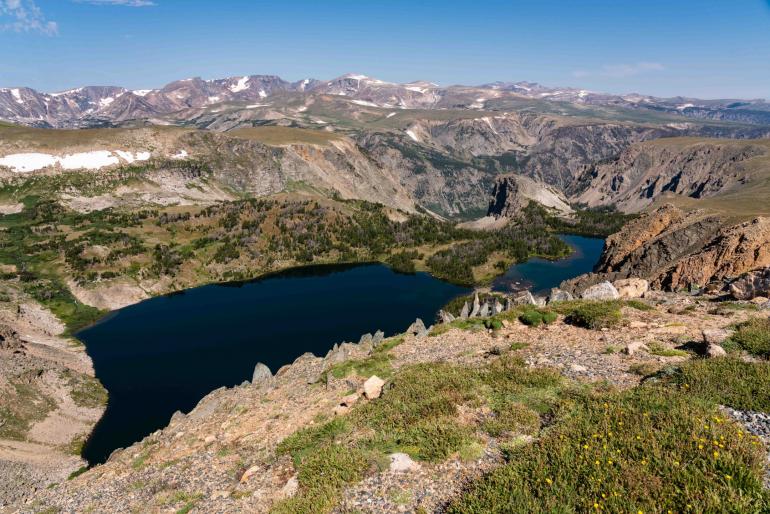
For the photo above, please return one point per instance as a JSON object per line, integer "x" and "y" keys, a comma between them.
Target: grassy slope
{"x": 663, "y": 446}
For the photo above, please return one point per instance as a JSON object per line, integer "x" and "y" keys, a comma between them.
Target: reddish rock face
{"x": 674, "y": 250}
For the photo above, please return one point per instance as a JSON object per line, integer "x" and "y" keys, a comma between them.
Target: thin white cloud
{"x": 25, "y": 16}
{"x": 126, "y": 3}
{"x": 619, "y": 71}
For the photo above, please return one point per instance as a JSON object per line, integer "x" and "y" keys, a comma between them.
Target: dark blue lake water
{"x": 166, "y": 353}
{"x": 539, "y": 275}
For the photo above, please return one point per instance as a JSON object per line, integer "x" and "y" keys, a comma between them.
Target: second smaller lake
{"x": 539, "y": 275}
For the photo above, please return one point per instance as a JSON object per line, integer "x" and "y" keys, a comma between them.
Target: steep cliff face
{"x": 690, "y": 167}
{"x": 512, "y": 193}
{"x": 674, "y": 250}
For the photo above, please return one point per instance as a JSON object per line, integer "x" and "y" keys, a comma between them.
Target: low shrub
{"x": 754, "y": 337}
{"x": 591, "y": 314}
{"x": 537, "y": 317}
{"x": 727, "y": 381}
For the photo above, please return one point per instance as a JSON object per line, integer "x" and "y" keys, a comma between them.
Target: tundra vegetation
{"x": 567, "y": 446}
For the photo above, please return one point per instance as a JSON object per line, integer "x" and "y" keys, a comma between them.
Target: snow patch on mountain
{"x": 411, "y": 134}
{"x": 241, "y": 85}
{"x": 93, "y": 160}
{"x": 365, "y": 103}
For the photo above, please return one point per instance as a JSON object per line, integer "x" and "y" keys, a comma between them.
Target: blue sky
{"x": 704, "y": 48}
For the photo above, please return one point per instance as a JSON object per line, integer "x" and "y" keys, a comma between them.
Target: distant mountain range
{"x": 184, "y": 100}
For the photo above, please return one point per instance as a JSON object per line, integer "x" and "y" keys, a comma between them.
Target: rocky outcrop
{"x": 512, "y": 193}
{"x": 600, "y": 291}
{"x": 697, "y": 168}
{"x": 674, "y": 250}
{"x": 752, "y": 285}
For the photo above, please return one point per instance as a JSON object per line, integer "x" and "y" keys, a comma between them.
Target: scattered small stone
{"x": 577, "y": 368}
{"x": 253, "y": 470}
{"x": 634, "y": 347}
{"x": 402, "y": 463}
{"x": 290, "y": 488}
{"x": 349, "y": 400}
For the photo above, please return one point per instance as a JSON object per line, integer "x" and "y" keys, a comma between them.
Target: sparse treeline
{"x": 47, "y": 244}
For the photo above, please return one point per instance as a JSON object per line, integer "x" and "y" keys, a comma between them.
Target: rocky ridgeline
{"x": 620, "y": 289}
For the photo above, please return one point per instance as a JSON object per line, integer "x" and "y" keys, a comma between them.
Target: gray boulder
{"x": 485, "y": 310}
{"x": 262, "y": 376}
{"x": 559, "y": 295}
{"x": 498, "y": 308}
{"x": 445, "y": 317}
{"x": 601, "y": 291}
{"x": 714, "y": 350}
{"x": 366, "y": 338}
{"x": 752, "y": 284}
{"x": 715, "y": 335}
{"x": 465, "y": 312}
{"x": 417, "y": 329}
{"x": 336, "y": 355}
{"x": 476, "y": 307}
{"x": 377, "y": 338}
{"x": 524, "y": 298}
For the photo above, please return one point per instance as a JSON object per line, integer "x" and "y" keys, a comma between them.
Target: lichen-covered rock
{"x": 601, "y": 291}
{"x": 377, "y": 338}
{"x": 373, "y": 387}
{"x": 714, "y": 350}
{"x": 715, "y": 335}
{"x": 476, "y": 306}
{"x": 445, "y": 317}
{"x": 417, "y": 329}
{"x": 631, "y": 287}
{"x": 751, "y": 285}
{"x": 465, "y": 312}
{"x": 558, "y": 295}
{"x": 402, "y": 463}
{"x": 524, "y": 298}
{"x": 262, "y": 376}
